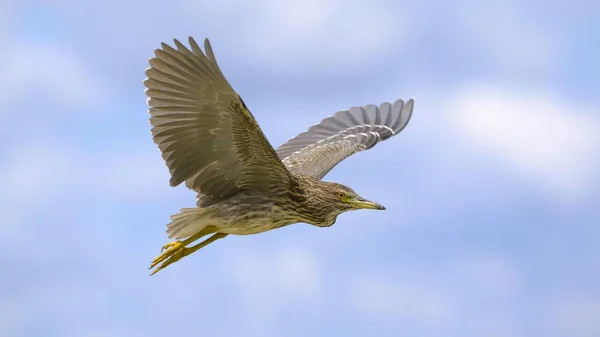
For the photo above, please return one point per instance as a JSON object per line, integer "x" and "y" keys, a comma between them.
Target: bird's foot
{"x": 173, "y": 245}
{"x": 176, "y": 250}
{"x": 170, "y": 252}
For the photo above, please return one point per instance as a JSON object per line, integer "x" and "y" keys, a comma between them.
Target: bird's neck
{"x": 315, "y": 205}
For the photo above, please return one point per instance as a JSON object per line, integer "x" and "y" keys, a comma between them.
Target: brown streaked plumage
{"x": 211, "y": 142}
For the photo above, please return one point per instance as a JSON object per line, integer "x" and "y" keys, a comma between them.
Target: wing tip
{"x": 174, "y": 182}
{"x": 177, "y": 42}
{"x": 405, "y": 112}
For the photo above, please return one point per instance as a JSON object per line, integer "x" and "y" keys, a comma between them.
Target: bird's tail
{"x": 189, "y": 221}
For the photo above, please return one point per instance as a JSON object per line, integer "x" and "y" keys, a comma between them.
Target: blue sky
{"x": 492, "y": 190}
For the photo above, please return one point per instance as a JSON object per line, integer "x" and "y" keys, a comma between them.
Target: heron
{"x": 211, "y": 142}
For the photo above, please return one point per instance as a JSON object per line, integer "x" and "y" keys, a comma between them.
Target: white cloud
{"x": 348, "y": 34}
{"x": 330, "y": 33}
{"x": 326, "y": 35}
{"x": 552, "y": 142}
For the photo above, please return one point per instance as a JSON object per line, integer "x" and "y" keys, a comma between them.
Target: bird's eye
{"x": 341, "y": 195}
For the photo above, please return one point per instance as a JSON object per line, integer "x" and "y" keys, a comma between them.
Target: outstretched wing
{"x": 206, "y": 134}
{"x": 316, "y": 151}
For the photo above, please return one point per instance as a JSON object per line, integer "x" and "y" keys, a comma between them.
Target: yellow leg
{"x": 172, "y": 247}
{"x": 175, "y": 251}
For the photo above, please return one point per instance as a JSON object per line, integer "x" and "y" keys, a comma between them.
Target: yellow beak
{"x": 360, "y": 203}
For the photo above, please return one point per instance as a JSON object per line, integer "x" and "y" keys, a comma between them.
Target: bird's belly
{"x": 257, "y": 221}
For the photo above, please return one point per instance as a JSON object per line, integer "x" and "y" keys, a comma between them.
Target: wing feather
{"x": 208, "y": 137}
{"x": 316, "y": 151}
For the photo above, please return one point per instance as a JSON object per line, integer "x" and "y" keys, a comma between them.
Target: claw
{"x": 176, "y": 256}
{"x": 167, "y": 251}
{"x": 169, "y": 245}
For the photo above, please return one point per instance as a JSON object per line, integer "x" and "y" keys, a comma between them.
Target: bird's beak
{"x": 361, "y": 203}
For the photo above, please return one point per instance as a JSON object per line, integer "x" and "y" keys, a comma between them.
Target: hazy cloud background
{"x": 492, "y": 190}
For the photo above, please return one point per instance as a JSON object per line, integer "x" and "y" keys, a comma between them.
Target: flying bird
{"x": 210, "y": 141}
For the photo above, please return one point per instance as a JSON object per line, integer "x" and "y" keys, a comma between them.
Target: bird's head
{"x": 346, "y": 199}
{"x": 327, "y": 200}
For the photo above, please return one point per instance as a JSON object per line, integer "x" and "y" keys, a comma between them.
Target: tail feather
{"x": 188, "y": 222}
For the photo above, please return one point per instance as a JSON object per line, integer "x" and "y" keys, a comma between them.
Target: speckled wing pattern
{"x": 316, "y": 151}
{"x": 207, "y": 135}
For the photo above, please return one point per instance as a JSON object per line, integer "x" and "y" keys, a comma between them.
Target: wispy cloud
{"x": 324, "y": 36}
{"x": 552, "y": 142}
